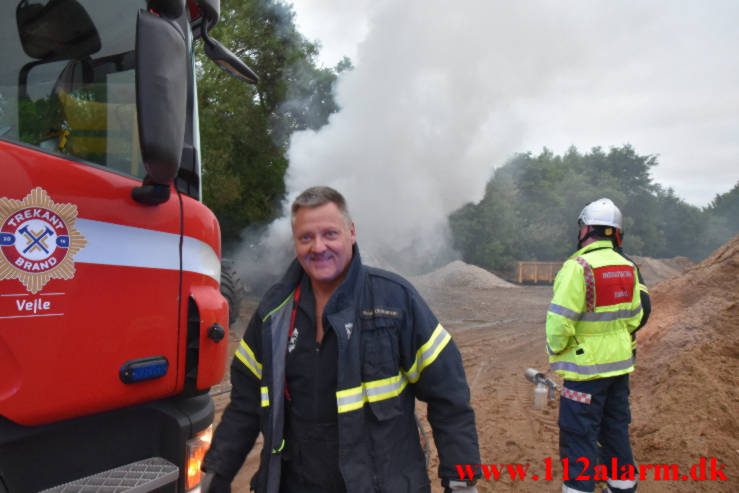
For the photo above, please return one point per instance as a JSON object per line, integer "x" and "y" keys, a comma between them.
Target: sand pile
{"x": 657, "y": 270}
{"x": 685, "y": 397}
{"x": 460, "y": 275}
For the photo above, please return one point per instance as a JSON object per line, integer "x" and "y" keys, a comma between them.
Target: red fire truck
{"x": 112, "y": 326}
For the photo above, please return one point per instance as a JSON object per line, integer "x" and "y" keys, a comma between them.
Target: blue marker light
{"x": 150, "y": 371}
{"x": 140, "y": 370}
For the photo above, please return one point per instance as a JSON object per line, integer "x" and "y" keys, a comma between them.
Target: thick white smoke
{"x": 443, "y": 92}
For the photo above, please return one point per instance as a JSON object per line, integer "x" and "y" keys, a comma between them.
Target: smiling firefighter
{"x": 329, "y": 371}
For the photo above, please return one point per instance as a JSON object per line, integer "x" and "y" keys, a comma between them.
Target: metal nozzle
{"x": 534, "y": 376}
{"x": 537, "y": 377}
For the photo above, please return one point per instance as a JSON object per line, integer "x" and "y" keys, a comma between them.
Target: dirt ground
{"x": 500, "y": 332}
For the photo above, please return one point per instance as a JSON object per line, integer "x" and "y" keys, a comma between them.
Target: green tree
{"x": 727, "y": 205}
{"x": 722, "y": 220}
{"x": 486, "y": 233}
{"x": 245, "y": 129}
{"x": 531, "y": 204}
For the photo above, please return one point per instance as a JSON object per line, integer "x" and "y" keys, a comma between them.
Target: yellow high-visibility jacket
{"x": 595, "y": 308}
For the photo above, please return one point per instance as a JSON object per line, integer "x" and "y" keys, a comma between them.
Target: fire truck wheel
{"x": 232, "y": 289}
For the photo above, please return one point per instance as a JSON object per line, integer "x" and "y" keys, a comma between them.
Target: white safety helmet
{"x": 602, "y": 212}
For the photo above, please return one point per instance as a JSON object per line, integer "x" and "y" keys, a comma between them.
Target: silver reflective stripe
{"x": 387, "y": 390}
{"x": 593, "y": 369}
{"x": 351, "y": 399}
{"x": 565, "y": 312}
{"x": 428, "y": 355}
{"x": 115, "y": 244}
{"x": 610, "y": 316}
{"x": 355, "y": 398}
{"x": 245, "y": 355}
{"x": 549, "y": 350}
{"x": 593, "y": 316}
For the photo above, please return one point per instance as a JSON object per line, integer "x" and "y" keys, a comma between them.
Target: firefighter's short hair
{"x": 317, "y": 196}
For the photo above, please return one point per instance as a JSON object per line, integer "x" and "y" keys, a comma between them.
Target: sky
{"x": 443, "y": 92}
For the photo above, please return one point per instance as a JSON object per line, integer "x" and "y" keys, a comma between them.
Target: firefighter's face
{"x": 323, "y": 243}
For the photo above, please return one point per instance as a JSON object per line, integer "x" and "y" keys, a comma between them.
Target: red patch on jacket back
{"x": 614, "y": 284}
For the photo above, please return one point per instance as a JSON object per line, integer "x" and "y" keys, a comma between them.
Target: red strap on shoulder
{"x": 296, "y": 298}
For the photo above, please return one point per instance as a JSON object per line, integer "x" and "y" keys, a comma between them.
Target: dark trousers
{"x": 310, "y": 461}
{"x": 597, "y": 432}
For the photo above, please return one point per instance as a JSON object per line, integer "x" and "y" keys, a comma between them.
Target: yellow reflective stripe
{"x": 633, "y": 345}
{"x": 427, "y": 353}
{"x": 246, "y": 356}
{"x": 265, "y": 396}
{"x": 351, "y": 399}
{"x": 387, "y": 388}
{"x": 377, "y": 390}
{"x": 643, "y": 288}
{"x": 380, "y": 390}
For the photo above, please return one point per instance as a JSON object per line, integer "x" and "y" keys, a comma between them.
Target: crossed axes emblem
{"x": 36, "y": 240}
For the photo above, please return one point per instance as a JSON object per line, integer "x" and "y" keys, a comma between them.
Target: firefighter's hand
{"x": 214, "y": 483}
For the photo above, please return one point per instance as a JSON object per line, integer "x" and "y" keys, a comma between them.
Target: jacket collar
{"x": 593, "y": 246}
{"x": 347, "y": 290}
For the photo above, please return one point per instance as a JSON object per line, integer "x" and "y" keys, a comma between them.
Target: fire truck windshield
{"x": 67, "y": 79}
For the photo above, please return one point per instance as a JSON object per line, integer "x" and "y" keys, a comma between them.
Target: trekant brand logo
{"x": 38, "y": 240}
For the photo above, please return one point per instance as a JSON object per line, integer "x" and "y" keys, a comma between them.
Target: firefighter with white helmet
{"x": 599, "y": 303}
{"x": 605, "y": 214}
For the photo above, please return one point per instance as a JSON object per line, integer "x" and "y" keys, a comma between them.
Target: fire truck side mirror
{"x": 161, "y": 95}
{"x": 228, "y": 62}
{"x": 224, "y": 58}
{"x": 74, "y": 33}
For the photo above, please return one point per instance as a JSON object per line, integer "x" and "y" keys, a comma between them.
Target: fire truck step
{"x": 138, "y": 477}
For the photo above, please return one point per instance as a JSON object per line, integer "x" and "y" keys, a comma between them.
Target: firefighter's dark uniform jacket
{"x": 391, "y": 350}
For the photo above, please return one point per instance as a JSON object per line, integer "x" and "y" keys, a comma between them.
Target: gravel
{"x": 461, "y": 275}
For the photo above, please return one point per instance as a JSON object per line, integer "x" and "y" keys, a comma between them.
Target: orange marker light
{"x": 196, "y": 449}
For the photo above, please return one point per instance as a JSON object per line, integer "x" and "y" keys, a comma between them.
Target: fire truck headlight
{"x": 196, "y": 449}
